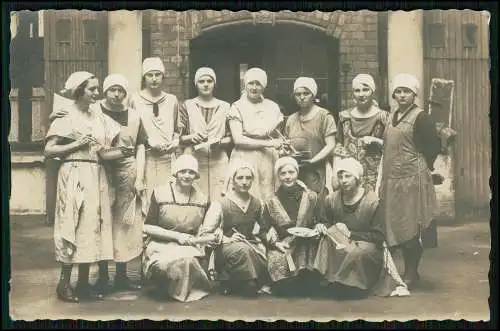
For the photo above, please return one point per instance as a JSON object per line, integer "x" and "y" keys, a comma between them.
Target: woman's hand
{"x": 84, "y": 141}
{"x": 227, "y": 240}
{"x": 58, "y": 114}
{"x": 321, "y": 228}
{"x": 185, "y": 239}
{"x": 272, "y": 236}
{"x": 198, "y": 138}
{"x": 281, "y": 246}
{"x": 238, "y": 237}
{"x": 343, "y": 228}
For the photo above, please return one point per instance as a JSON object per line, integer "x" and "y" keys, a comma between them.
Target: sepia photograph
{"x": 250, "y": 165}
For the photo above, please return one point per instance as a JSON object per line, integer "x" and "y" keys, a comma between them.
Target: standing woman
{"x": 162, "y": 123}
{"x": 361, "y": 130}
{"x": 174, "y": 255}
{"x": 312, "y": 130}
{"x": 408, "y": 198}
{"x": 127, "y": 173}
{"x": 252, "y": 121}
{"x": 289, "y": 258}
{"x": 207, "y": 122}
{"x": 83, "y": 220}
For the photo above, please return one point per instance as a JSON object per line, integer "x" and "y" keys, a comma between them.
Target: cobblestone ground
{"x": 454, "y": 285}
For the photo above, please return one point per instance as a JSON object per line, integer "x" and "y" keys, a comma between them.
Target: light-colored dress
{"x": 286, "y": 209}
{"x": 83, "y": 219}
{"x": 349, "y": 143}
{"x": 309, "y": 135}
{"x": 242, "y": 260}
{"x": 213, "y": 161}
{"x": 258, "y": 121}
{"x": 407, "y": 194}
{"x": 178, "y": 268}
{"x": 129, "y": 209}
{"x": 161, "y": 123}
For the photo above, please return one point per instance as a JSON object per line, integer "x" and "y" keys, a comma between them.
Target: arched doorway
{"x": 285, "y": 51}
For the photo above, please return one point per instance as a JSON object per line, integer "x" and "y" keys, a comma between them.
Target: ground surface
{"x": 454, "y": 285}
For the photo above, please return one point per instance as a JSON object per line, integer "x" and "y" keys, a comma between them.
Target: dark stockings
{"x": 64, "y": 290}
{"x": 412, "y": 253}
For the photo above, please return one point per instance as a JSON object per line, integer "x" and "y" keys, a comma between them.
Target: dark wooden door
{"x": 230, "y": 51}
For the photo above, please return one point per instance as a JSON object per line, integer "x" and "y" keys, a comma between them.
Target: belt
{"x": 81, "y": 160}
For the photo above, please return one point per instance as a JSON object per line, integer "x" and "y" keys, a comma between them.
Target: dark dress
{"x": 407, "y": 194}
{"x": 293, "y": 207}
{"x": 242, "y": 260}
{"x": 360, "y": 263}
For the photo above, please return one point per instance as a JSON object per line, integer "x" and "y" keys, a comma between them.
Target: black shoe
{"x": 412, "y": 280}
{"x": 65, "y": 293}
{"x": 102, "y": 288}
{"x": 87, "y": 292}
{"x": 124, "y": 284}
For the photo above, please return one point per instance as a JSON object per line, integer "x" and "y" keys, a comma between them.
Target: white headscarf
{"x": 185, "y": 162}
{"x": 283, "y": 161}
{"x": 364, "y": 80}
{"x": 350, "y": 165}
{"x": 115, "y": 80}
{"x": 204, "y": 71}
{"x": 405, "y": 80}
{"x": 307, "y": 82}
{"x": 75, "y": 80}
{"x": 152, "y": 63}
{"x": 256, "y": 74}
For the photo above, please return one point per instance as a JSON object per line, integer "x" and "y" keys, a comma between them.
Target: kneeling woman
{"x": 174, "y": 255}
{"x": 290, "y": 258}
{"x": 351, "y": 254}
{"x": 240, "y": 258}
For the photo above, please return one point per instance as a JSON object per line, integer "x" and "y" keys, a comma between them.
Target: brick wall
{"x": 358, "y": 50}
{"x": 171, "y": 32}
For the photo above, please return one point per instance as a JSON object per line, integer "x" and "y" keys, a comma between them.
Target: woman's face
{"x": 243, "y": 179}
{"x": 91, "y": 91}
{"x": 288, "y": 175}
{"x": 303, "y": 97}
{"x": 153, "y": 79}
{"x": 254, "y": 90}
{"x": 115, "y": 95}
{"x": 347, "y": 181}
{"x": 205, "y": 86}
{"x": 186, "y": 177}
{"x": 363, "y": 95}
{"x": 404, "y": 96}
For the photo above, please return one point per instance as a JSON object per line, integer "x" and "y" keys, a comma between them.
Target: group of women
{"x": 208, "y": 193}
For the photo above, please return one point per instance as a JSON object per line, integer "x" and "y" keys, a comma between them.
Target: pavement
{"x": 454, "y": 285}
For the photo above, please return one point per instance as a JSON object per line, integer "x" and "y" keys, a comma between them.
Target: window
{"x": 469, "y": 35}
{"x": 63, "y": 31}
{"x": 89, "y": 31}
{"x": 436, "y": 35}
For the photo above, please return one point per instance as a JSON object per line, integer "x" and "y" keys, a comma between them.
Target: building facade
{"x": 332, "y": 47}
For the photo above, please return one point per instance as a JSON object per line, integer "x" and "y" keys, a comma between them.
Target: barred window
{"x": 63, "y": 31}
{"x": 437, "y": 35}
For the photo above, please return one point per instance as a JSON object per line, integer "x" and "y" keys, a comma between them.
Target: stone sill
{"x": 27, "y": 159}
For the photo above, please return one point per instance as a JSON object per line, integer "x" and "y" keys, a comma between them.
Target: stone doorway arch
{"x": 287, "y": 45}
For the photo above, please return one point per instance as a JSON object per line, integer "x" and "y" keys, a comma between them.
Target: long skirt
{"x": 301, "y": 256}
{"x": 83, "y": 220}
{"x": 262, "y": 160}
{"x": 239, "y": 261}
{"x": 358, "y": 264}
{"x": 158, "y": 170}
{"x": 213, "y": 173}
{"x": 128, "y": 212}
{"x": 177, "y": 270}
{"x": 408, "y": 205}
